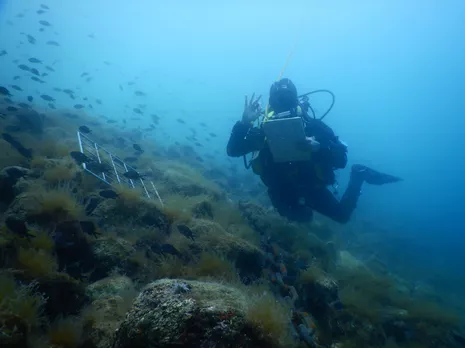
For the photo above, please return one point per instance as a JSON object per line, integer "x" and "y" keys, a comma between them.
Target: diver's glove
{"x": 252, "y": 109}
{"x": 313, "y": 144}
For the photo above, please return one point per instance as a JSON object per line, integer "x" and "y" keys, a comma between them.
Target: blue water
{"x": 396, "y": 68}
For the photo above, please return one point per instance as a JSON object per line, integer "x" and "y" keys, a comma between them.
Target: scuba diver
{"x": 296, "y": 188}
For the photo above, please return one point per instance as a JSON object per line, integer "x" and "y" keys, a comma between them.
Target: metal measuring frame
{"x": 113, "y": 168}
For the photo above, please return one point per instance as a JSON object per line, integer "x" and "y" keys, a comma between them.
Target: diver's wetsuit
{"x": 296, "y": 188}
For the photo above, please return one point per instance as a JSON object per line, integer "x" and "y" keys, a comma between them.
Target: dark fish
{"x": 79, "y": 157}
{"x": 68, "y": 91}
{"x": 98, "y": 167}
{"x": 78, "y": 106}
{"x": 93, "y": 203}
{"x": 92, "y": 36}
{"x": 34, "y": 60}
{"x": 198, "y": 144}
{"x": 85, "y": 98}
{"x": 181, "y": 121}
{"x": 90, "y": 78}
{"x": 41, "y": 30}
{"x": 133, "y": 175}
{"x": 53, "y": 43}
{"x": 35, "y": 71}
{"x": 24, "y": 105}
{"x": 13, "y": 128}
{"x": 139, "y": 93}
{"x": 31, "y": 39}
{"x": 51, "y": 106}
{"x": 12, "y": 108}
{"x": 16, "y": 87}
{"x": 30, "y": 98}
{"x": 35, "y": 78}
{"x": 98, "y": 101}
{"x": 137, "y": 111}
{"x": 56, "y": 89}
{"x": 108, "y": 194}
{"x": 16, "y": 77}
{"x": 3, "y": 53}
{"x": 137, "y": 148}
{"x": 47, "y": 98}
{"x": 17, "y": 226}
{"x": 4, "y": 91}
{"x": 40, "y": 11}
{"x": 186, "y": 231}
{"x": 8, "y": 101}
{"x": 120, "y": 87}
{"x": 213, "y": 135}
{"x": 200, "y": 159}
{"x": 88, "y": 227}
{"x": 107, "y": 63}
{"x": 169, "y": 249}
{"x": 84, "y": 74}
{"x": 124, "y": 120}
{"x": 203, "y": 124}
{"x": 45, "y": 7}
{"x": 130, "y": 159}
{"x": 85, "y": 130}
{"x": 111, "y": 121}
{"x": 24, "y": 67}
{"x": 17, "y": 145}
{"x": 49, "y": 68}
{"x": 44, "y": 23}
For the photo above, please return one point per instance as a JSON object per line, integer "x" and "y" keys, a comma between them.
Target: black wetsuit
{"x": 297, "y": 188}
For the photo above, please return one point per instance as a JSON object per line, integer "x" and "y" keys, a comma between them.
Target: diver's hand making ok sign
{"x": 252, "y": 109}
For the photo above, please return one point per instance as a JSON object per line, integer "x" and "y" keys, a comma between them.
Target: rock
{"x": 211, "y": 236}
{"x": 24, "y": 207}
{"x": 109, "y": 314}
{"x": 9, "y": 176}
{"x": 110, "y": 254}
{"x": 257, "y": 217}
{"x": 169, "y": 313}
{"x": 141, "y": 212}
{"x": 108, "y": 287}
{"x": 347, "y": 261}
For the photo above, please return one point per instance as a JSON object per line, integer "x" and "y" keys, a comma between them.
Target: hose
{"x": 320, "y": 91}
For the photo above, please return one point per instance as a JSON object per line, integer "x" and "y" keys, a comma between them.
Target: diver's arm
{"x": 244, "y": 139}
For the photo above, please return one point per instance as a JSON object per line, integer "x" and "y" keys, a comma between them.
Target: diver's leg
{"x": 324, "y": 202}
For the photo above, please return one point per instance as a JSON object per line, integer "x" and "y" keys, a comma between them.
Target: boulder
{"x": 170, "y": 313}
{"x": 9, "y": 177}
{"x": 111, "y": 254}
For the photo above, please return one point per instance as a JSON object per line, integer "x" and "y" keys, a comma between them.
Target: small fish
{"x": 44, "y": 23}
{"x": 34, "y": 60}
{"x": 213, "y": 135}
{"x": 111, "y": 121}
{"x": 16, "y": 77}
{"x": 91, "y": 36}
{"x": 137, "y": 111}
{"x": 53, "y": 43}
{"x": 98, "y": 167}
{"x": 78, "y": 106}
{"x": 56, "y": 89}
{"x": 45, "y": 7}
{"x": 40, "y": 11}
{"x": 107, "y": 63}
{"x": 120, "y": 87}
{"x": 12, "y": 109}
{"x": 17, "y": 145}
{"x": 202, "y": 124}
{"x": 3, "y": 53}
{"x": 181, "y": 121}
{"x": 88, "y": 227}
{"x": 133, "y": 175}
{"x": 169, "y": 249}
{"x": 47, "y": 98}
{"x": 31, "y": 39}
{"x": 68, "y": 91}
{"x": 16, "y": 88}
{"x": 30, "y": 98}
{"x": 24, "y": 105}
{"x": 4, "y": 91}
{"x": 17, "y": 226}
{"x": 139, "y": 94}
{"x": 24, "y": 67}
{"x": 35, "y": 78}
{"x": 186, "y": 231}
{"x": 98, "y": 101}
{"x": 137, "y": 148}
{"x": 35, "y": 71}
{"x": 108, "y": 194}
{"x": 51, "y": 106}
{"x": 84, "y": 74}
{"x": 79, "y": 157}
{"x": 13, "y": 128}
{"x": 49, "y": 68}
{"x": 90, "y": 78}
{"x": 85, "y": 130}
